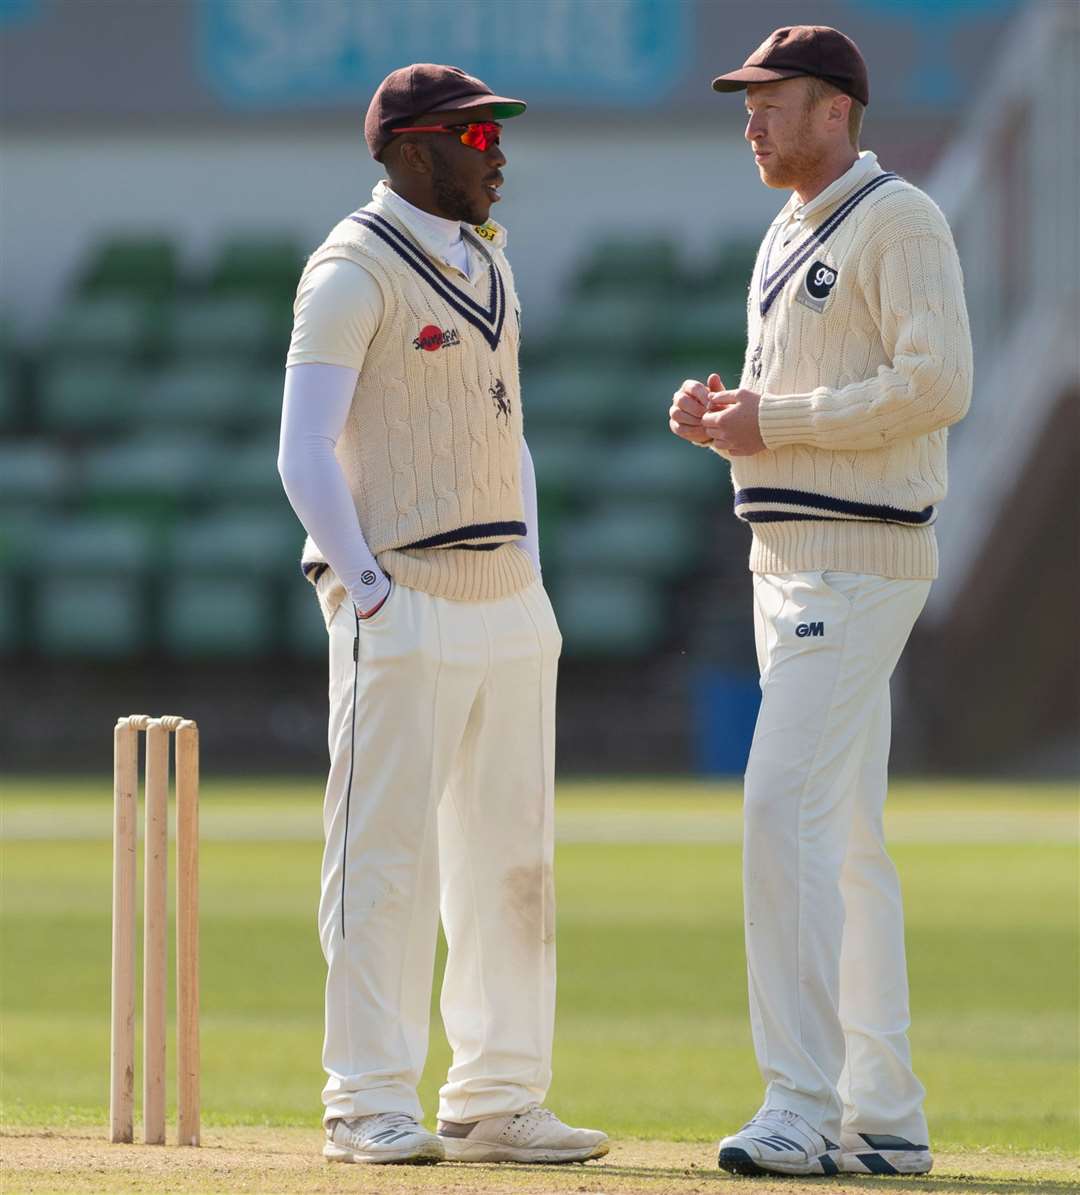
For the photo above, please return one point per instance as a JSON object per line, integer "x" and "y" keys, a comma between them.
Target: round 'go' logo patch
{"x": 820, "y": 279}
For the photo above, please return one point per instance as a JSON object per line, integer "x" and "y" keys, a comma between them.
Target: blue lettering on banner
{"x": 18, "y": 12}
{"x": 934, "y": 27}
{"x": 286, "y": 53}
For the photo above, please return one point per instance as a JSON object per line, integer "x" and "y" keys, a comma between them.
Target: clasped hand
{"x": 706, "y": 413}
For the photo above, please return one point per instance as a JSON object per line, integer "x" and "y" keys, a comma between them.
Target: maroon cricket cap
{"x": 413, "y": 91}
{"x": 803, "y": 50}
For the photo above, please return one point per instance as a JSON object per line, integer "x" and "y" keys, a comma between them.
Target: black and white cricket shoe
{"x": 778, "y": 1142}
{"x": 387, "y": 1138}
{"x": 534, "y": 1134}
{"x": 881, "y": 1153}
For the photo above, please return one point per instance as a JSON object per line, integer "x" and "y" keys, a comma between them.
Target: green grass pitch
{"x": 652, "y": 1039}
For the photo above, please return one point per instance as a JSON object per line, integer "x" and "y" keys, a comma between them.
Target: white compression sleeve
{"x": 314, "y": 410}
{"x": 531, "y": 542}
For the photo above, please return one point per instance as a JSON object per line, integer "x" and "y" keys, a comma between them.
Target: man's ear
{"x": 839, "y": 109}
{"x": 414, "y": 157}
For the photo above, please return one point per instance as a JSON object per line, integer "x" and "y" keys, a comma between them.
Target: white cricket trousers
{"x": 824, "y": 918}
{"x": 440, "y": 796}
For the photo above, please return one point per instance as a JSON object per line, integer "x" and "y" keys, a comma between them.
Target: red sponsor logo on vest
{"x": 432, "y": 338}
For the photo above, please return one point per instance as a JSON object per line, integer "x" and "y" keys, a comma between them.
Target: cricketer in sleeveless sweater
{"x": 858, "y": 344}
{"x": 432, "y": 446}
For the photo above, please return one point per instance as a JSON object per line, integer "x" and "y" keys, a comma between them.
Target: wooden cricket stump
{"x": 155, "y": 937}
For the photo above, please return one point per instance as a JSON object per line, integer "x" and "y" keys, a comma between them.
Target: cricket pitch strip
{"x": 37, "y": 1161}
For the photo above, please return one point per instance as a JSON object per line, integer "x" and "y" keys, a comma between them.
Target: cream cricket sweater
{"x": 431, "y": 449}
{"x": 859, "y": 346}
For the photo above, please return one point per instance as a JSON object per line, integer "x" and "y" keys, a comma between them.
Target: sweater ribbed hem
{"x": 459, "y": 574}
{"x": 453, "y": 573}
{"x": 901, "y": 553}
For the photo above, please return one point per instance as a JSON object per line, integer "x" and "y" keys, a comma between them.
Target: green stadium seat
{"x": 149, "y": 475}
{"x": 91, "y": 616}
{"x": 656, "y": 466}
{"x": 100, "y": 609}
{"x": 729, "y": 267}
{"x": 9, "y": 397}
{"x": 250, "y": 476}
{"x": 563, "y": 466}
{"x": 33, "y": 475}
{"x": 564, "y": 462}
{"x": 113, "y": 326}
{"x": 551, "y": 513}
{"x": 264, "y": 265}
{"x": 10, "y": 628}
{"x": 632, "y": 540}
{"x": 608, "y": 615}
{"x": 608, "y": 324}
{"x": 647, "y": 264}
{"x": 710, "y": 329}
{"x": 85, "y": 397}
{"x": 218, "y": 616}
{"x": 645, "y": 399}
{"x": 239, "y": 327}
{"x": 197, "y": 395}
{"x": 306, "y": 629}
{"x": 145, "y": 266}
{"x": 265, "y": 388}
{"x": 566, "y": 399}
{"x": 20, "y": 534}
{"x": 247, "y": 542}
{"x": 94, "y": 545}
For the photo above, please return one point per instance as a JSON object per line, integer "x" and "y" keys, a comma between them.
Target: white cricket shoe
{"x": 385, "y": 1138}
{"x": 533, "y": 1135}
{"x": 882, "y": 1153}
{"x": 778, "y": 1142}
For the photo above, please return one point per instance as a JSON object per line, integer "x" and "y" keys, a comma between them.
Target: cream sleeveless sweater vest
{"x": 431, "y": 449}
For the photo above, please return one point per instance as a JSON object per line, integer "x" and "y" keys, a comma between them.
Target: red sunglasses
{"x": 478, "y": 136}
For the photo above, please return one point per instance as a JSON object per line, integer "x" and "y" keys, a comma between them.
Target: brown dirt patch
{"x": 287, "y": 1161}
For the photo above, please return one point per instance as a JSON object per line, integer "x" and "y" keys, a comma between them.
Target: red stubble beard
{"x": 788, "y": 169}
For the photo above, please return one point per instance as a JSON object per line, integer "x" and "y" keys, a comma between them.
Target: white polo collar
{"x": 436, "y": 236}
{"x": 861, "y": 170}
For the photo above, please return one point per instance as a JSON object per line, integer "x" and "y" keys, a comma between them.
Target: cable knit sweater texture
{"x": 432, "y": 446}
{"x": 858, "y": 343}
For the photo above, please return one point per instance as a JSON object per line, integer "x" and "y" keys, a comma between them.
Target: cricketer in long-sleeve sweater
{"x": 860, "y": 354}
{"x": 858, "y": 343}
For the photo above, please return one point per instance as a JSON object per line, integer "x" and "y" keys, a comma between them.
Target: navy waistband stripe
{"x": 827, "y": 506}
{"x": 475, "y": 531}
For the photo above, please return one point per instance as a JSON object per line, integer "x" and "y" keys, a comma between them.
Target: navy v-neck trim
{"x": 770, "y": 285}
{"x": 487, "y": 320}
